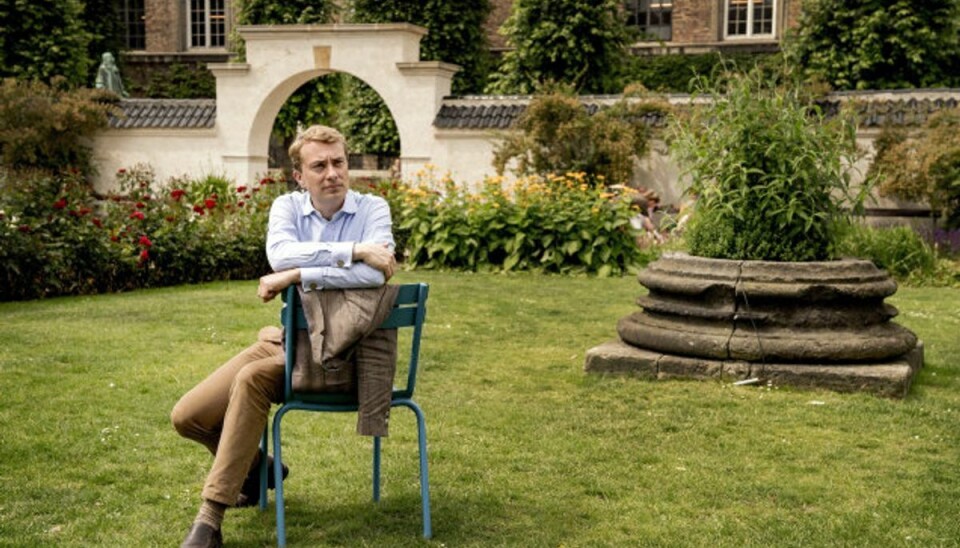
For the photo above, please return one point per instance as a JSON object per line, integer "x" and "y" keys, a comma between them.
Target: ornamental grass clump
{"x": 770, "y": 172}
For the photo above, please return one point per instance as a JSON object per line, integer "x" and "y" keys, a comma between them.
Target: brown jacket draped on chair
{"x": 343, "y": 351}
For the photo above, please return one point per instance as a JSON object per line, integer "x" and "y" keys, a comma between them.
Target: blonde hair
{"x": 318, "y": 134}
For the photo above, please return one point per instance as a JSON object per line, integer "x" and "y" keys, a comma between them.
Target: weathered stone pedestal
{"x": 817, "y": 324}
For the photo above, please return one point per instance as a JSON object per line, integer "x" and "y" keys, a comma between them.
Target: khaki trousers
{"x": 227, "y": 412}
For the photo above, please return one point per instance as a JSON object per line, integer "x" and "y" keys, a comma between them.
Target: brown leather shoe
{"x": 202, "y": 535}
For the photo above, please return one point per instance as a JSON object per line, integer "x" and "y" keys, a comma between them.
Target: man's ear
{"x": 298, "y": 177}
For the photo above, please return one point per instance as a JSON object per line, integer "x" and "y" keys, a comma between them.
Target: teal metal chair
{"x": 409, "y": 311}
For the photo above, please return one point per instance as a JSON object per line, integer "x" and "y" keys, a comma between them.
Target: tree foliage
{"x": 367, "y": 122}
{"x": 581, "y": 43}
{"x": 880, "y": 44}
{"x": 42, "y": 40}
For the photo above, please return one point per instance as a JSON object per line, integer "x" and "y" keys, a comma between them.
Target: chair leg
{"x": 278, "y": 470}
{"x": 424, "y": 473}
{"x": 263, "y": 469}
{"x": 376, "y": 469}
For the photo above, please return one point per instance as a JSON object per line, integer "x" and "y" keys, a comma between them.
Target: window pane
{"x": 737, "y": 17}
{"x": 218, "y": 23}
{"x": 133, "y": 24}
{"x": 198, "y": 27}
{"x": 763, "y": 17}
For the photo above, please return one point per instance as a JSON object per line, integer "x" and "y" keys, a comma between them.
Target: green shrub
{"x": 923, "y": 167}
{"x": 898, "y": 250}
{"x": 557, "y": 223}
{"x": 56, "y": 239}
{"x": 680, "y": 73}
{"x": 48, "y": 126}
{"x": 769, "y": 172}
{"x": 556, "y": 135}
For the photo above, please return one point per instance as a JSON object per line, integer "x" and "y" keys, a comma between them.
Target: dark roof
{"x": 875, "y": 108}
{"x": 165, "y": 113}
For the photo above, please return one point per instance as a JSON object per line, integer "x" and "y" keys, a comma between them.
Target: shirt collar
{"x": 350, "y": 205}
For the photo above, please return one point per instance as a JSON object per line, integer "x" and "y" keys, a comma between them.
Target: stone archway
{"x": 282, "y": 58}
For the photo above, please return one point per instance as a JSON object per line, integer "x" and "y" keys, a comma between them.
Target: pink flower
{"x": 137, "y": 215}
{"x": 60, "y": 204}
{"x": 145, "y": 242}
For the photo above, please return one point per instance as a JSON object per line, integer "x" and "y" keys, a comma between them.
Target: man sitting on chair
{"x": 327, "y": 236}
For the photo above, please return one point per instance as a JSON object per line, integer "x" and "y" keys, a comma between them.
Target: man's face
{"x": 323, "y": 174}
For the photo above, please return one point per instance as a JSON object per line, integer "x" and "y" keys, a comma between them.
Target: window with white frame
{"x": 749, "y": 18}
{"x": 653, "y": 18}
{"x": 206, "y": 23}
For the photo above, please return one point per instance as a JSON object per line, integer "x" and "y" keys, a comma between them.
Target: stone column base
{"x": 890, "y": 379}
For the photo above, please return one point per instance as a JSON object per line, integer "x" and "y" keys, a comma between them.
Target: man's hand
{"x": 272, "y": 284}
{"x": 378, "y": 256}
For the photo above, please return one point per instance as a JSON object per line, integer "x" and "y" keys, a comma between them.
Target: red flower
{"x": 144, "y": 256}
{"x": 141, "y": 205}
{"x": 210, "y": 203}
{"x": 114, "y": 238}
{"x": 255, "y": 189}
{"x": 198, "y": 209}
{"x": 121, "y": 171}
{"x": 137, "y": 215}
{"x": 97, "y": 222}
{"x": 177, "y": 193}
{"x": 169, "y": 218}
{"x": 241, "y": 189}
{"x": 60, "y": 204}
{"x": 24, "y": 228}
{"x": 240, "y": 203}
{"x": 145, "y": 242}
{"x": 247, "y": 195}
{"x": 266, "y": 181}
{"x": 84, "y": 211}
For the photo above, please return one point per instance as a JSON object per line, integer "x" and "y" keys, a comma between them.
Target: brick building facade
{"x": 163, "y": 31}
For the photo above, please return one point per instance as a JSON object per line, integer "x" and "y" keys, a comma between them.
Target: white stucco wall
{"x": 170, "y": 152}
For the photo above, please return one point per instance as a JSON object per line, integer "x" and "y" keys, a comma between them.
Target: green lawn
{"x": 525, "y": 449}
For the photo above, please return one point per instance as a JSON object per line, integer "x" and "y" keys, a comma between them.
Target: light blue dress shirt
{"x": 299, "y": 237}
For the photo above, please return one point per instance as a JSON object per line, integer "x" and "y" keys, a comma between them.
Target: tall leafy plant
{"x": 769, "y": 170}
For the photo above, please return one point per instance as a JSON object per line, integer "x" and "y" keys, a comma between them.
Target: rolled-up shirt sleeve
{"x": 324, "y": 252}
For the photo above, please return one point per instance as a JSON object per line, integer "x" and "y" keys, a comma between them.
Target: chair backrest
{"x": 409, "y": 310}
